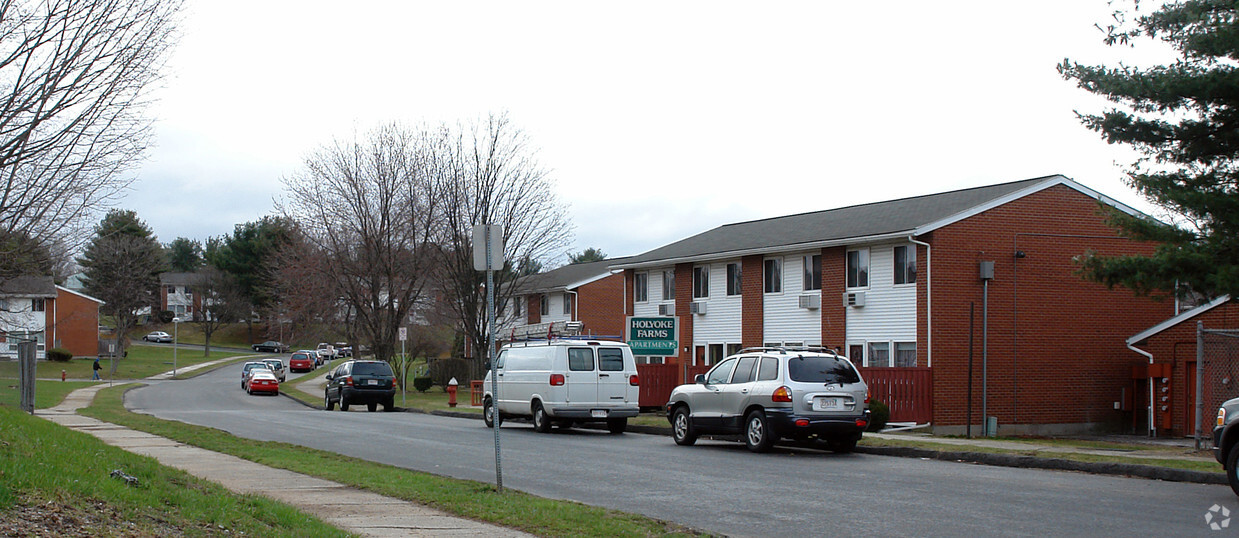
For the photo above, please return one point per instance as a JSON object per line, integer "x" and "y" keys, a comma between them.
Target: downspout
{"x": 574, "y": 305}
{"x": 929, "y": 301}
{"x": 55, "y": 305}
{"x": 1152, "y": 431}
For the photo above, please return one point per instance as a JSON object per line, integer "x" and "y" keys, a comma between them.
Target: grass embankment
{"x": 474, "y": 500}
{"x": 143, "y": 361}
{"x": 57, "y": 482}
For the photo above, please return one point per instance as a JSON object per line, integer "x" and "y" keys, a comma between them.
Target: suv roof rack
{"x": 786, "y": 349}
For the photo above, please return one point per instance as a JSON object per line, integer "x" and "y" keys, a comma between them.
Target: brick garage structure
{"x": 73, "y": 322}
{"x": 1055, "y": 346}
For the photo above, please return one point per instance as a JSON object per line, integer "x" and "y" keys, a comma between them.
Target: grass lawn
{"x": 474, "y": 500}
{"x": 143, "y": 361}
{"x": 47, "y": 393}
{"x": 57, "y": 483}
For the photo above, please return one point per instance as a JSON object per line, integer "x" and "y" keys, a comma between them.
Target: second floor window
{"x": 567, "y": 304}
{"x": 516, "y": 306}
{"x": 813, "y": 272}
{"x": 38, "y": 305}
{"x": 668, "y": 285}
{"x": 733, "y": 279}
{"x": 773, "y": 275}
{"x": 545, "y": 307}
{"x": 641, "y": 287}
{"x": 701, "y": 281}
{"x": 858, "y": 268}
{"x": 905, "y": 265}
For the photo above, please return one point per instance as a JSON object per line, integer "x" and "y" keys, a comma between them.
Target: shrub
{"x": 59, "y": 355}
{"x": 443, "y": 370}
{"x": 422, "y": 384}
{"x": 166, "y": 316}
{"x": 879, "y": 414}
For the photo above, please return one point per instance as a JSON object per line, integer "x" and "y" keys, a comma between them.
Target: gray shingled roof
{"x": 181, "y": 279}
{"x": 566, "y": 277}
{"x": 854, "y": 222}
{"x": 28, "y": 286}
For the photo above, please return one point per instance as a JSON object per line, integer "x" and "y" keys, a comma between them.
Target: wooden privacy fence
{"x": 657, "y": 381}
{"x": 907, "y": 391}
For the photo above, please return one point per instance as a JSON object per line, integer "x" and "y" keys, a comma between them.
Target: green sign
{"x": 653, "y": 336}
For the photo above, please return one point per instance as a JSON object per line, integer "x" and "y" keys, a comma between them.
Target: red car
{"x": 301, "y": 362}
{"x": 263, "y": 381}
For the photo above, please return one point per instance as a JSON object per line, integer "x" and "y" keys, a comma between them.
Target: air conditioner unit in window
{"x": 697, "y": 307}
{"x": 811, "y": 302}
{"x": 854, "y": 298}
{"x": 666, "y": 309}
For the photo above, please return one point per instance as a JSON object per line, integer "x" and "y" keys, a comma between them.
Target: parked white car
{"x": 564, "y": 382}
{"x": 327, "y": 351}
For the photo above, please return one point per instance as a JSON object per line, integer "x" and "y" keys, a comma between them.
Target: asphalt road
{"x": 716, "y": 486}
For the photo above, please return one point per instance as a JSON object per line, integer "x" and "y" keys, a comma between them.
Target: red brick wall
{"x": 834, "y": 282}
{"x": 1057, "y": 352}
{"x": 1176, "y": 346}
{"x": 752, "y": 297}
{"x": 600, "y": 305}
{"x": 684, "y": 297}
{"x": 74, "y": 321}
{"x": 533, "y": 308}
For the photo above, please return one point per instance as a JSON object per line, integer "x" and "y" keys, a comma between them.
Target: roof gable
{"x": 567, "y": 277}
{"x": 1183, "y": 316}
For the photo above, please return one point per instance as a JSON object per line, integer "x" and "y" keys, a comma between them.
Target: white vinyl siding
{"x": 557, "y": 304}
{"x": 784, "y": 320}
{"x": 654, "y": 292}
{"x": 889, "y": 314}
{"x": 721, "y": 323}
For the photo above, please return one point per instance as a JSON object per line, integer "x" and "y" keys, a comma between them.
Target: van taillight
{"x": 781, "y": 394}
{"x": 557, "y": 380}
{"x": 634, "y": 381}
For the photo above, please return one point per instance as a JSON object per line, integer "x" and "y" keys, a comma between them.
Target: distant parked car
{"x": 277, "y": 366}
{"x": 302, "y": 361}
{"x": 271, "y": 346}
{"x": 343, "y": 349}
{"x": 158, "y": 336}
{"x": 327, "y": 351}
{"x": 248, "y": 369}
{"x": 263, "y": 381}
{"x": 767, "y": 393}
{"x": 314, "y": 354}
{"x": 355, "y": 382}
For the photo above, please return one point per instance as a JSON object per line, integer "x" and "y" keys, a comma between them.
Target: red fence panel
{"x": 657, "y": 381}
{"x": 907, "y": 391}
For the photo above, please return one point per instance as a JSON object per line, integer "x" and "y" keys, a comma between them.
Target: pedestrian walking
{"x": 96, "y": 369}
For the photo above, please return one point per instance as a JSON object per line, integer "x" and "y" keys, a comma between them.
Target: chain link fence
{"x": 1218, "y": 378}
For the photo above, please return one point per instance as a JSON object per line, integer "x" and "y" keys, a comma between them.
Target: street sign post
{"x": 488, "y": 256}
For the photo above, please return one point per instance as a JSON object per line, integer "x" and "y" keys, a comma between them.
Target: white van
{"x": 564, "y": 382}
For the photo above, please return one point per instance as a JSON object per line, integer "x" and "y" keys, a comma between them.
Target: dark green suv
{"x": 358, "y": 382}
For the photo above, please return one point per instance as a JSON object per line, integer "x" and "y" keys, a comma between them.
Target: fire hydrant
{"x": 62, "y": 375}
{"x": 451, "y": 392}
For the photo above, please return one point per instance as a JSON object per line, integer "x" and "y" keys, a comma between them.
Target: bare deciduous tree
{"x": 493, "y": 177}
{"x": 223, "y": 303}
{"x": 75, "y": 77}
{"x": 369, "y": 207}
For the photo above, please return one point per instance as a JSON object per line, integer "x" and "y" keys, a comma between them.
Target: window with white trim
{"x": 567, "y": 304}
{"x": 733, "y": 279}
{"x": 701, "y": 281}
{"x": 905, "y": 265}
{"x": 669, "y": 285}
{"x": 772, "y": 275}
{"x": 858, "y": 268}
{"x": 38, "y": 304}
{"x": 879, "y": 354}
{"x": 813, "y": 272}
{"x": 516, "y": 306}
{"x": 545, "y": 309}
{"x": 905, "y": 354}
{"x": 641, "y": 287}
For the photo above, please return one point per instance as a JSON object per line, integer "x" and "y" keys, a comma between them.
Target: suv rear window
{"x": 821, "y": 369}
{"x": 372, "y": 368}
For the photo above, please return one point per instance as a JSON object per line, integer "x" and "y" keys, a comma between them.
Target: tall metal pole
{"x": 1200, "y": 379}
{"x": 176, "y": 324}
{"x": 404, "y": 375}
{"x": 985, "y": 359}
{"x": 490, "y": 350}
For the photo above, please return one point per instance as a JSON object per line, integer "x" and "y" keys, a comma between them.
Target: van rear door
{"x": 613, "y": 384}
{"x": 582, "y": 376}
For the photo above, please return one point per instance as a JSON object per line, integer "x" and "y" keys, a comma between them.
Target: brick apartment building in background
{"x": 35, "y": 308}
{"x": 927, "y": 288}
{"x": 586, "y": 292}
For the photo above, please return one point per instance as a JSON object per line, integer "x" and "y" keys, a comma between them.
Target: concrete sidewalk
{"x": 350, "y": 509}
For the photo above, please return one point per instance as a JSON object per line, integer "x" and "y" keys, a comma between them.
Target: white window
{"x": 715, "y": 353}
{"x": 38, "y": 305}
{"x": 650, "y": 360}
{"x": 641, "y": 287}
{"x": 905, "y": 265}
{"x": 813, "y": 272}
{"x": 905, "y": 354}
{"x": 733, "y": 279}
{"x": 858, "y": 268}
{"x": 773, "y": 275}
{"x": 567, "y": 304}
{"x": 879, "y": 354}
{"x": 516, "y": 306}
{"x": 701, "y": 281}
{"x": 545, "y": 306}
{"x": 669, "y": 285}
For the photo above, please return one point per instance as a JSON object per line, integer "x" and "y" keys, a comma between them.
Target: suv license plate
{"x": 372, "y": 382}
{"x": 827, "y": 404}
{"x": 598, "y": 413}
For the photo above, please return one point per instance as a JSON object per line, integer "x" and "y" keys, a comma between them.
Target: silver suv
{"x": 768, "y": 393}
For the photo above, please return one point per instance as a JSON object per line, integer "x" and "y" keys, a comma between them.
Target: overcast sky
{"x": 658, "y": 120}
